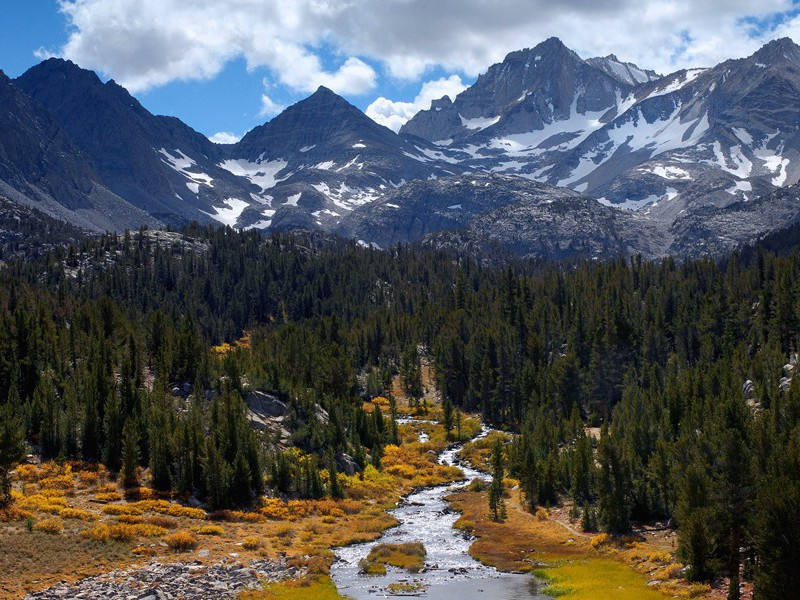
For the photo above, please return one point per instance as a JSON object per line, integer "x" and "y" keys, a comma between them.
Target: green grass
{"x": 319, "y": 588}
{"x": 595, "y": 579}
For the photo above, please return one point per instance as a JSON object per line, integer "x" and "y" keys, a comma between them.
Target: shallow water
{"x": 450, "y": 571}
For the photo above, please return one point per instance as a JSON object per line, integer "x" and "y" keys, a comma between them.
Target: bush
{"x": 52, "y": 526}
{"x": 251, "y": 543}
{"x": 28, "y": 473}
{"x": 211, "y": 530}
{"x": 108, "y": 496}
{"x": 181, "y": 541}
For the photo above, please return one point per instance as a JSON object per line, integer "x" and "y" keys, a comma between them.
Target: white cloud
{"x": 307, "y": 43}
{"x": 225, "y": 137}
{"x": 394, "y": 114}
{"x": 269, "y": 108}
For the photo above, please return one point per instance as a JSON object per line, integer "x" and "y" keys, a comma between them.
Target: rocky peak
{"x": 624, "y": 72}
{"x": 776, "y": 51}
{"x": 322, "y": 118}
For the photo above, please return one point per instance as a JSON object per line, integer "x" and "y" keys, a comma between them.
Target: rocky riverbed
{"x": 179, "y": 580}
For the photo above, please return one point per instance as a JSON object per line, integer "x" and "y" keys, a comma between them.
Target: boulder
{"x": 345, "y": 464}
{"x": 784, "y": 383}
{"x": 748, "y": 389}
{"x": 265, "y": 404}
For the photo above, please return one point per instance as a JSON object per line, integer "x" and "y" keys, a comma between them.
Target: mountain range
{"x": 546, "y": 155}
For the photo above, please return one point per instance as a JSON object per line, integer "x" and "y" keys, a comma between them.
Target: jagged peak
{"x": 781, "y": 48}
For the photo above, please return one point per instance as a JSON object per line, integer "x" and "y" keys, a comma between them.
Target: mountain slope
{"x": 527, "y": 218}
{"x": 41, "y": 167}
{"x": 321, "y": 158}
{"x": 157, "y": 163}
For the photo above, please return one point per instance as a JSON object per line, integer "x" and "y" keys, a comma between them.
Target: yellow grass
{"x": 584, "y": 567}
{"x": 410, "y": 556}
{"x": 181, "y": 541}
{"x": 309, "y": 588}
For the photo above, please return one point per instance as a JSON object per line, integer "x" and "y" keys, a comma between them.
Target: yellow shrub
{"x": 29, "y": 473}
{"x": 251, "y": 543}
{"x": 542, "y": 514}
{"x": 53, "y": 526}
{"x": 108, "y": 496}
{"x": 88, "y": 478}
{"x": 181, "y": 541}
{"x": 123, "y": 532}
{"x": 669, "y": 572}
{"x": 130, "y": 519}
{"x": 274, "y": 509}
{"x": 75, "y": 513}
{"x": 52, "y": 493}
{"x": 61, "y": 482}
{"x": 211, "y": 530}
{"x": 13, "y": 512}
{"x": 108, "y": 488}
{"x": 122, "y": 509}
{"x": 600, "y": 539}
{"x": 404, "y": 471}
{"x": 161, "y": 521}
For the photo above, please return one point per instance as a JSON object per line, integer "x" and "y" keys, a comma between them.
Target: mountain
{"x": 157, "y": 163}
{"x": 692, "y": 139}
{"x": 41, "y": 167}
{"x": 557, "y": 145}
{"x": 321, "y": 158}
{"x": 531, "y": 90}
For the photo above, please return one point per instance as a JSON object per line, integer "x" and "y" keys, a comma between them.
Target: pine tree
{"x": 612, "y": 486}
{"x": 130, "y": 453}
{"x": 448, "y": 419}
{"x": 497, "y": 503}
{"x": 12, "y": 448}
{"x": 336, "y": 490}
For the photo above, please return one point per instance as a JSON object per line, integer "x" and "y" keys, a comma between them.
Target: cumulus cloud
{"x": 225, "y": 137}
{"x": 337, "y": 43}
{"x": 269, "y": 108}
{"x": 394, "y": 114}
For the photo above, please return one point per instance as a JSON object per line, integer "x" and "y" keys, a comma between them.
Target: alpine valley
{"x": 546, "y": 155}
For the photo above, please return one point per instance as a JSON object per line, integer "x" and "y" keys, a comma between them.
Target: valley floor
{"x": 73, "y": 521}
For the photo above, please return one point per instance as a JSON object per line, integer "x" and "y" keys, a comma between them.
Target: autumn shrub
{"x": 108, "y": 496}
{"x": 28, "y": 473}
{"x": 52, "y": 526}
{"x": 88, "y": 478}
{"x": 600, "y": 539}
{"x": 251, "y": 543}
{"x": 61, "y": 482}
{"x": 211, "y": 530}
{"x": 181, "y": 541}
{"x": 76, "y": 513}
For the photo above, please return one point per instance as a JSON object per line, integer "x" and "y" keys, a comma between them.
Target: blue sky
{"x": 229, "y": 65}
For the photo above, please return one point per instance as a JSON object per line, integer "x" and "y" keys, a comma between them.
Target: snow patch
{"x": 229, "y": 215}
{"x": 262, "y": 174}
{"x": 292, "y": 200}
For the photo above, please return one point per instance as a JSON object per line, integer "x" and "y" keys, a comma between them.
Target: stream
{"x": 450, "y": 572}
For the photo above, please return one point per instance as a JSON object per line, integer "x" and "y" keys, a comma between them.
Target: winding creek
{"x": 450, "y": 572}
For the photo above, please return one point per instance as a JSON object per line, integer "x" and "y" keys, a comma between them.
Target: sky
{"x": 226, "y": 66}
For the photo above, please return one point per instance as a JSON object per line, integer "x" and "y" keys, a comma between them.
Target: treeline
{"x": 642, "y": 391}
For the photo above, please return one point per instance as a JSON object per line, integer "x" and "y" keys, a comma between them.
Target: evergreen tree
{"x": 12, "y": 448}
{"x": 130, "y": 453}
{"x": 497, "y": 503}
